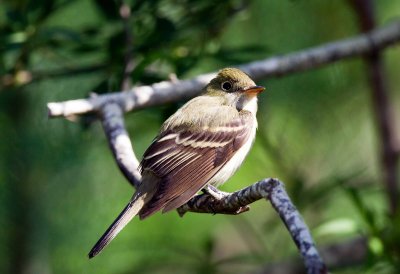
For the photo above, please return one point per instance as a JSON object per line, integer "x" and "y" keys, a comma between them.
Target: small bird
{"x": 198, "y": 148}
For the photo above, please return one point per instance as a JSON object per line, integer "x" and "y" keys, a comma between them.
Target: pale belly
{"x": 235, "y": 162}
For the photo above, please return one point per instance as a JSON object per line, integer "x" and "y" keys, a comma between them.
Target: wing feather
{"x": 186, "y": 159}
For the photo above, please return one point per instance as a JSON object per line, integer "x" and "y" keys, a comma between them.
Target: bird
{"x": 198, "y": 148}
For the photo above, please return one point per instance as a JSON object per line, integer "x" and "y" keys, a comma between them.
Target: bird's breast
{"x": 236, "y": 161}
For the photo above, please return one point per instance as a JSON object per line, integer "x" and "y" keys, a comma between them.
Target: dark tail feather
{"x": 130, "y": 211}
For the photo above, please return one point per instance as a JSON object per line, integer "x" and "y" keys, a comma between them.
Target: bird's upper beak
{"x": 254, "y": 90}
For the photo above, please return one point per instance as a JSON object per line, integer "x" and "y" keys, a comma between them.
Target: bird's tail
{"x": 130, "y": 211}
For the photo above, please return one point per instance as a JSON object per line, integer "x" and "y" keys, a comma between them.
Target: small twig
{"x": 167, "y": 92}
{"x": 112, "y": 120}
{"x": 274, "y": 191}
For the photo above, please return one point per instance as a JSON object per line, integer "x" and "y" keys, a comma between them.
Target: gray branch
{"x": 112, "y": 119}
{"x": 171, "y": 91}
{"x": 274, "y": 191}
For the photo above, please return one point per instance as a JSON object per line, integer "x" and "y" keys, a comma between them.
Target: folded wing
{"x": 187, "y": 158}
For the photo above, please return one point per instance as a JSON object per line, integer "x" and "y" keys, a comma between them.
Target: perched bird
{"x": 199, "y": 146}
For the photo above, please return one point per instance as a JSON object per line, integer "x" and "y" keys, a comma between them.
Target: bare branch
{"x": 113, "y": 124}
{"x": 166, "y": 92}
{"x": 138, "y": 97}
{"x": 274, "y": 191}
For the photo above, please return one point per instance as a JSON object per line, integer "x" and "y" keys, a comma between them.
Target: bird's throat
{"x": 247, "y": 103}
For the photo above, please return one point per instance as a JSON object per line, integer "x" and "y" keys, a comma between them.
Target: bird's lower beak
{"x": 254, "y": 90}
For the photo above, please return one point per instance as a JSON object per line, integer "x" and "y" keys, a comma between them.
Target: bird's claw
{"x": 215, "y": 192}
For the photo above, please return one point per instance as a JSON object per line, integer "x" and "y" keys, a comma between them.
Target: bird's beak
{"x": 254, "y": 90}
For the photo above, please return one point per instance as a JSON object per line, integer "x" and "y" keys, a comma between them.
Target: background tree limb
{"x": 380, "y": 100}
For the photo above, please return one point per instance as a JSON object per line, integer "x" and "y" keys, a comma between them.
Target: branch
{"x": 274, "y": 191}
{"x": 382, "y": 108}
{"x": 166, "y": 92}
{"x": 235, "y": 203}
{"x": 112, "y": 120}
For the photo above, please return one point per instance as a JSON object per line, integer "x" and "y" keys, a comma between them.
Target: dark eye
{"x": 226, "y": 86}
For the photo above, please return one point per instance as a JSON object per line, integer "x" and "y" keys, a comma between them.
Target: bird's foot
{"x": 215, "y": 192}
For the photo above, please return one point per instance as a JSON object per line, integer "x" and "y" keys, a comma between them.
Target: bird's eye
{"x": 226, "y": 86}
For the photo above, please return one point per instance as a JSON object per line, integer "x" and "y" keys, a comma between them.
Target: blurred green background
{"x": 60, "y": 187}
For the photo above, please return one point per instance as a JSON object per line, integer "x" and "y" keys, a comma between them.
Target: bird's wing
{"x": 186, "y": 159}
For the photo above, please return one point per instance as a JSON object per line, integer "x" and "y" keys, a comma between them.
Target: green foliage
{"x": 167, "y": 37}
{"x": 60, "y": 188}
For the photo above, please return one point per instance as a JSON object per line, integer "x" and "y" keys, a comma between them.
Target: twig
{"x": 113, "y": 124}
{"x": 382, "y": 107}
{"x": 166, "y": 92}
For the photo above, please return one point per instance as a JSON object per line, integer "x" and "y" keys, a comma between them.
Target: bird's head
{"x": 235, "y": 86}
